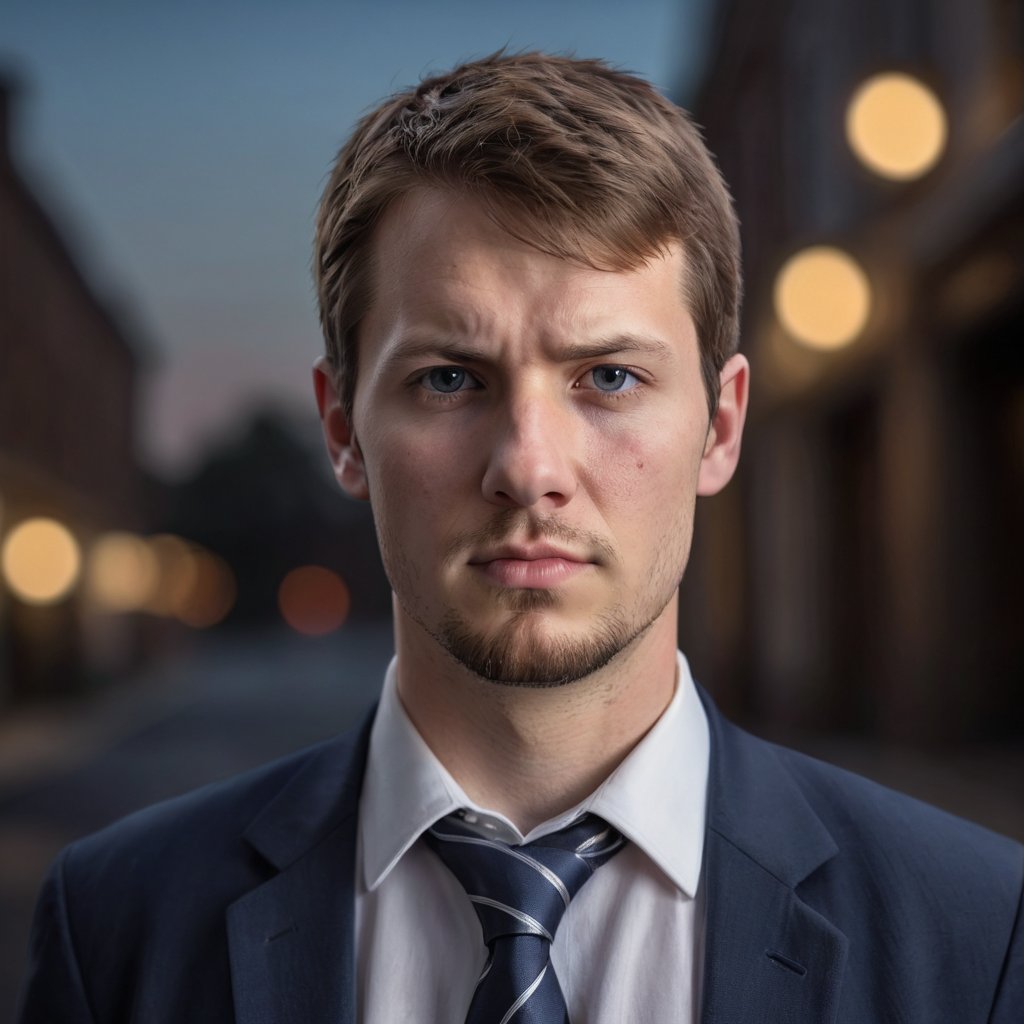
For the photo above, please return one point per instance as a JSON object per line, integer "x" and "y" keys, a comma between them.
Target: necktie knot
{"x": 520, "y": 894}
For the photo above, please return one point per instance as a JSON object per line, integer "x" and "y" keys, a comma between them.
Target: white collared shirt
{"x": 630, "y": 946}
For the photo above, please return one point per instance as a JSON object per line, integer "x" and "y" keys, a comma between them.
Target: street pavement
{"x": 227, "y": 703}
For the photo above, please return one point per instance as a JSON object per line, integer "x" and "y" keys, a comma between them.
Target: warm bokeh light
{"x": 176, "y": 574}
{"x": 121, "y": 572}
{"x": 212, "y": 594}
{"x": 822, "y": 297}
{"x": 313, "y": 600}
{"x": 40, "y": 561}
{"x": 896, "y": 126}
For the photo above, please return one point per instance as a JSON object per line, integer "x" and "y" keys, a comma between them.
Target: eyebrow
{"x": 460, "y": 353}
{"x": 618, "y": 343}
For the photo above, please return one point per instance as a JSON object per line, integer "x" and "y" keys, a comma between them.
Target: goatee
{"x": 517, "y": 656}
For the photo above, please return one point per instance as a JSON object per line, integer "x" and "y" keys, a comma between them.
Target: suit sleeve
{"x": 1009, "y": 1002}
{"x": 53, "y": 991}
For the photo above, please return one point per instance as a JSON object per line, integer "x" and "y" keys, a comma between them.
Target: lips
{"x": 530, "y": 565}
{"x": 527, "y": 553}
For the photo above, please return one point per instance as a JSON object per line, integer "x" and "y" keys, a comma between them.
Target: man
{"x": 529, "y": 286}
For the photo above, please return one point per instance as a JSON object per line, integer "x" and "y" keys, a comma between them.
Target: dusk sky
{"x": 182, "y": 147}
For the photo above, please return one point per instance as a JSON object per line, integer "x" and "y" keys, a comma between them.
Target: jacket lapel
{"x": 768, "y": 955}
{"x": 291, "y": 940}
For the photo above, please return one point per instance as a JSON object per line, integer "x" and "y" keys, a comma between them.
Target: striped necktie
{"x": 520, "y": 894}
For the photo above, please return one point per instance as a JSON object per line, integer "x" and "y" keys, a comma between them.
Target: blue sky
{"x": 182, "y": 147}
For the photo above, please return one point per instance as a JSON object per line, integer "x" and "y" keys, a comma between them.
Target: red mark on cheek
{"x": 640, "y": 464}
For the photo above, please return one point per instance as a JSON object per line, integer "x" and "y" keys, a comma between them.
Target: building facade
{"x": 67, "y": 431}
{"x": 863, "y": 572}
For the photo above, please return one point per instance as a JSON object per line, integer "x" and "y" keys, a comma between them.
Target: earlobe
{"x": 722, "y": 450}
{"x": 339, "y": 437}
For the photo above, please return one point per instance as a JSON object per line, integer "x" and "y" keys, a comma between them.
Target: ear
{"x": 722, "y": 448}
{"x": 342, "y": 446}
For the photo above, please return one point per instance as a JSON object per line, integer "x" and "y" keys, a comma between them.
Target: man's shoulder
{"x": 200, "y": 834}
{"x": 225, "y": 805}
{"x": 882, "y": 833}
{"x": 923, "y": 907}
{"x": 141, "y": 909}
{"x": 817, "y": 825}
{"x": 758, "y": 777}
{"x": 852, "y": 805}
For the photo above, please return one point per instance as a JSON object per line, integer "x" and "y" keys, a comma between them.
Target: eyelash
{"x": 417, "y": 383}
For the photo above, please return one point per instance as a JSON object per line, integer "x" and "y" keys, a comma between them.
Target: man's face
{"x": 532, "y": 435}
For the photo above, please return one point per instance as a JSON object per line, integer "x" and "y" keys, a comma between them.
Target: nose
{"x": 531, "y": 463}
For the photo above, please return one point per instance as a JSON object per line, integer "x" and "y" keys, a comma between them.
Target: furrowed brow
{"x": 441, "y": 349}
{"x": 620, "y": 343}
{"x": 446, "y": 350}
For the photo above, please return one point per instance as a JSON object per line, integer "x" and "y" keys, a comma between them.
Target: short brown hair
{"x": 572, "y": 157}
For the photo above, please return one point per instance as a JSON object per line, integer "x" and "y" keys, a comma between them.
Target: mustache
{"x": 519, "y": 524}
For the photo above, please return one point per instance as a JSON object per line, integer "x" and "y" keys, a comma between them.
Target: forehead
{"x": 439, "y": 258}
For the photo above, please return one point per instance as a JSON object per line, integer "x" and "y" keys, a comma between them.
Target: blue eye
{"x": 612, "y": 378}
{"x": 448, "y": 379}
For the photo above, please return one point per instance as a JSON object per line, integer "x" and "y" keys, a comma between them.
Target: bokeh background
{"x": 183, "y": 590}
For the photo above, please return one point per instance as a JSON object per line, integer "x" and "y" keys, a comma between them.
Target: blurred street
{"x": 226, "y": 705}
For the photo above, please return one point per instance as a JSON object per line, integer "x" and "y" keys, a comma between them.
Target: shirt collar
{"x": 656, "y": 797}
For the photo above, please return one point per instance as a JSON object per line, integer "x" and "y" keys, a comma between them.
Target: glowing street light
{"x": 40, "y": 560}
{"x": 313, "y": 600}
{"x": 212, "y": 594}
{"x": 121, "y": 572}
{"x": 176, "y": 573}
{"x": 896, "y": 126}
{"x": 822, "y": 297}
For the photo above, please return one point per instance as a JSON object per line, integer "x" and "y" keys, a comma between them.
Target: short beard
{"x": 517, "y": 655}
{"x": 514, "y": 657}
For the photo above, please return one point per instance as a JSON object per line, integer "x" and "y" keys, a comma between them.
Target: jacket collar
{"x": 768, "y": 955}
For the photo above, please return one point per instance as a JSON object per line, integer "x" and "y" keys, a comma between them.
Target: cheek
{"x": 413, "y": 478}
{"x": 652, "y": 464}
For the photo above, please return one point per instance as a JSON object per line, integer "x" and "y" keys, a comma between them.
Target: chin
{"x": 527, "y": 651}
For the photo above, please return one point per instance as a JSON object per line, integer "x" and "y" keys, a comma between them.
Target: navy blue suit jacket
{"x": 829, "y": 898}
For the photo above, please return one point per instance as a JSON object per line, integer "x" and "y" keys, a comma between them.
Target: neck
{"x": 533, "y": 752}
